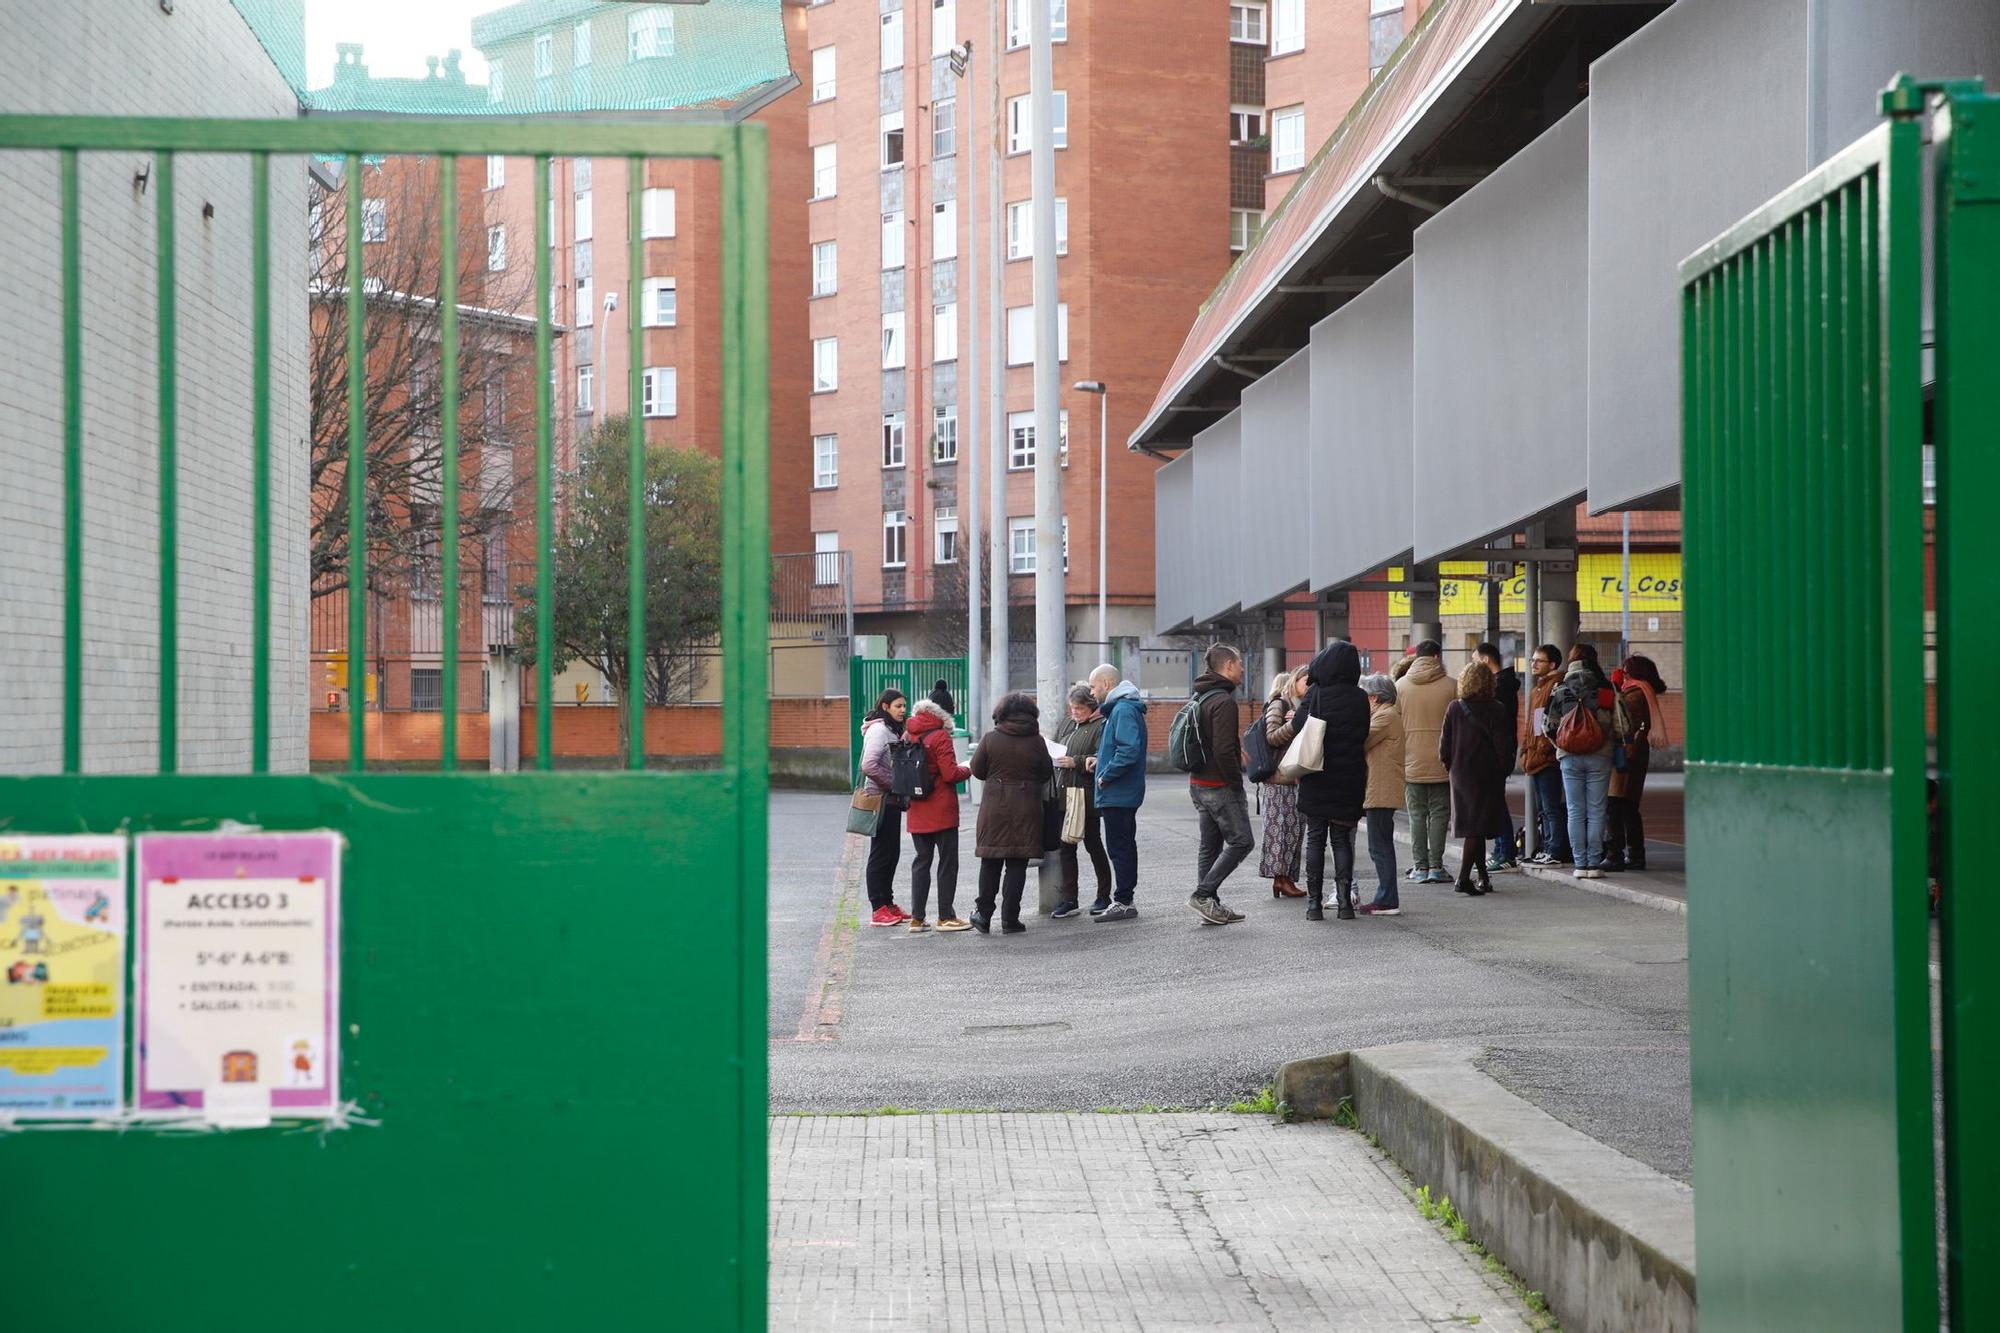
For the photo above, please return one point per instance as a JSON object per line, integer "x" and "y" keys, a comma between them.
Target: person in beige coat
{"x": 1384, "y": 796}
{"x": 1423, "y": 695}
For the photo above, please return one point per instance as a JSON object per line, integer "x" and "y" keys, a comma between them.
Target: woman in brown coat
{"x": 1013, "y": 761}
{"x": 1639, "y": 688}
{"x": 1475, "y": 746}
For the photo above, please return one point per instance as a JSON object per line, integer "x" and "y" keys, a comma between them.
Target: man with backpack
{"x": 1203, "y": 743}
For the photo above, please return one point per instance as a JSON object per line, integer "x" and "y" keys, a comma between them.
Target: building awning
{"x": 1360, "y": 434}
{"x": 1279, "y": 502}
{"x": 1173, "y": 522}
{"x": 1214, "y": 533}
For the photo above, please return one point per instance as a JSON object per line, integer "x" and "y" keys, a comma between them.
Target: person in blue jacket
{"x": 1120, "y": 766}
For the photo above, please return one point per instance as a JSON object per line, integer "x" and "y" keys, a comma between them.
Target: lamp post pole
{"x": 1103, "y": 392}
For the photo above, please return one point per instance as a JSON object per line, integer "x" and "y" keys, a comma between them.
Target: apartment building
{"x": 900, "y": 143}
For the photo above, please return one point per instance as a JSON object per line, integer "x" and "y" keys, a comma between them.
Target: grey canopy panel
{"x": 1213, "y": 545}
{"x": 1173, "y": 515}
{"x": 1501, "y": 308}
{"x": 1361, "y": 428}
{"x": 1277, "y": 494}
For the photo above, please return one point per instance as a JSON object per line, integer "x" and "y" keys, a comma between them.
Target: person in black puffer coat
{"x": 1330, "y": 800}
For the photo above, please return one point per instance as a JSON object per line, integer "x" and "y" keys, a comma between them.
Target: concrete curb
{"x": 1603, "y": 888}
{"x": 1607, "y": 1240}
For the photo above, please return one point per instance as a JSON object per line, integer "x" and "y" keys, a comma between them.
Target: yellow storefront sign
{"x": 1656, "y": 586}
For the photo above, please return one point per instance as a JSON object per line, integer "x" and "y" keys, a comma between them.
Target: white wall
{"x": 127, "y": 57}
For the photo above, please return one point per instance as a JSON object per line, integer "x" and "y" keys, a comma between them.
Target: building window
{"x": 659, "y": 392}
{"x": 553, "y": 235}
{"x": 823, "y": 171}
{"x": 1288, "y": 26}
{"x": 1021, "y": 439}
{"x": 944, "y": 332}
{"x": 944, "y": 26}
{"x": 1020, "y": 122}
{"x": 1020, "y": 20}
{"x": 586, "y": 314}
{"x": 826, "y": 365}
{"x": 1021, "y": 545}
{"x": 892, "y": 439}
{"x": 1246, "y": 123}
{"x": 1246, "y": 22}
{"x": 944, "y": 127}
{"x": 944, "y": 434}
{"x": 316, "y": 224}
{"x": 826, "y": 268}
{"x": 892, "y": 240}
{"x": 826, "y": 559}
{"x": 586, "y": 390}
{"x": 1021, "y": 334}
{"x": 892, "y": 140}
{"x": 496, "y": 171}
{"x": 426, "y": 689}
{"x": 895, "y": 355}
{"x": 545, "y": 54}
{"x": 1288, "y": 139}
{"x": 374, "y": 221}
{"x": 1385, "y": 32}
{"x": 656, "y": 214}
{"x": 1021, "y": 229}
{"x": 649, "y": 33}
{"x": 580, "y": 256}
{"x": 826, "y": 462}
{"x": 579, "y": 174}
{"x": 1245, "y": 226}
{"x": 580, "y": 216}
{"x": 496, "y": 249}
{"x": 944, "y": 230}
{"x": 579, "y": 46}
{"x": 944, "y": 527}
{"x": 661, "y": 308}
{"x": 892, "y": 40}
{"x": 823, "y": 73}
{"x": 895, "y": 536}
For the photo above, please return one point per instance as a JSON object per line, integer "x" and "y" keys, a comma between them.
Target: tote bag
{"x": 1307, "y": 752}
{"x": 1074, "y": 815}
{"x": 864, "y": 812}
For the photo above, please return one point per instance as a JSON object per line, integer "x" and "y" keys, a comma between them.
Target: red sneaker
{"x": 901, "y": 915}
{"x": 886, "y": 916}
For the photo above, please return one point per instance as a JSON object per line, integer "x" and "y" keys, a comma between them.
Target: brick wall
{"x": 135, "y": 59}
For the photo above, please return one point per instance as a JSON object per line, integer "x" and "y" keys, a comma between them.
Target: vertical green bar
{"x": 260, "y": 466}
{"x": 72, "y": 266}
{"x": 357, "y": 476}
{"x": 163, "y": 172}
{"x": 746, "y": 717}
{"x": 545, "y": 510}
{"x": 448, "y": 506}
{"x": 635, "y": 540}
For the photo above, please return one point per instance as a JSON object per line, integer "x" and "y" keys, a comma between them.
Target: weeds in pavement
{"x": 1440, "y": 1209}
{"x": 1263, "y": 1102}
{"x": 1345, "y": 1116}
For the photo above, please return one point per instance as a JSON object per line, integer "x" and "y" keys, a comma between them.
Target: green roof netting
{"x": 533, "y": 57}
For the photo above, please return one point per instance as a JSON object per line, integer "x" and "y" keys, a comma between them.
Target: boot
{"x": 1344, "y": 897}
{"x": 1314, "y": 910}
{"x": 1485, "y": 880}
{"x": 1284, "y": 887}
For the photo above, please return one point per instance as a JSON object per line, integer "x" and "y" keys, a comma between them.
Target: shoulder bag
{"x": 1307, "y": 752}
{"x": 864, "y": 812}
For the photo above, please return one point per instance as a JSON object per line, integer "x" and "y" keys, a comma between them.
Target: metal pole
{"x": 1625, "y": 588}
{"x": 1051, "y": 656}
{"x": 1103, "y": 489}
{"x": 1532, "y": 596}
{"x": 996, "y": 423}
{"x": 969, "y": 447}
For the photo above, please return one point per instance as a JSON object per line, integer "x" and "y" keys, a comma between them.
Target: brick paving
{"x": 1088, "y": 1221}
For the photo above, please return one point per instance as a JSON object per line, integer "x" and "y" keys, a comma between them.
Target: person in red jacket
{"x": 933, "y": 819}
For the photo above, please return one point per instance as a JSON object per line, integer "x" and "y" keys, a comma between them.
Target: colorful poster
{"x": 239, "y": 974}
{"x": 62, "y": 977}
{"x": 1656, "y": 585}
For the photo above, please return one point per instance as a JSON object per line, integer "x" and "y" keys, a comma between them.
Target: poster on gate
{"x": 238, "y": 975}
{"x": 62, "y": 977}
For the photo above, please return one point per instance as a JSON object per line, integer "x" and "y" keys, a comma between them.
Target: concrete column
{"x": 1333, "y": 622}
{"x": 1424, "y": 620}
{"x": 1560, "y": 611}
{"x": 1274, "y": 662}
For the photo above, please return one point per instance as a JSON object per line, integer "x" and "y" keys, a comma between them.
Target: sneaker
{"x": 1435, "y": 877}
{"x": 1229, "y": 911}
{"x": 1065, "y": 910}
{"x": 918, "y": 925}
{"x": 1209, "y": 909}
{"x": 981, "y": 923}
{"x": 1593, "y": 873}
{"x": 1580, "y": 873}
{"x": 946, "y": 923}
{"x": 1613, "y": 867}
{"x": 1118, "y": 912}
{"x": 1497, "y": 867}
{"x": 1417, "y": 875}
{"x": 901, "y": 915}
{"x": 1098, "y": 908}
{"x": 1373, "y": 909}
{"x": 1013, "y": 928}
{"x": 886, "y": 916}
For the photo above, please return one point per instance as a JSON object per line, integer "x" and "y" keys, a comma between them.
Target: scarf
{"x": 1659, "y": 719}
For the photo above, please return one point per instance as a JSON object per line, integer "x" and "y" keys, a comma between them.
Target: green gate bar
{"x": 260, "y": 464}
{"x": 357, "y": 475}
{"x": 72, "y": 267}
{"x": 448, "y": 503}
{"x": 163, "y": 168}
{"x": 634, "y": 701}
{"x": 545, "y": 510}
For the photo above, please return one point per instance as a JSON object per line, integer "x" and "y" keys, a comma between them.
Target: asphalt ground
{"x": 1579, "y": 1001}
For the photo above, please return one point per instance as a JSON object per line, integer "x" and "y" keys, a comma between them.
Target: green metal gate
{"x": 1807, "y": 939}
{"x": 553, "y": 999}
{"x": 867, "y": 677}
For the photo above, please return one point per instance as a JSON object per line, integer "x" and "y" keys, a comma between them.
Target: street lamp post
{"x": 1103, "y": 392}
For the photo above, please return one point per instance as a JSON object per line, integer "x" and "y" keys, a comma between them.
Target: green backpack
{"x": 1185, "y": 747}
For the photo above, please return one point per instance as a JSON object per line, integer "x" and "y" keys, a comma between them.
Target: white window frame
{"x": 944, "y": 26}
{"x": 374, "y": 221}
{"x": 826, "y": 365}
{"x": 895, "y": 440}
{"x": 1288, "y": 27}
{"x": 1020, "y": 122}
{"x": 1246, "y": 123}
{"x": 1020, "y": 22}
{"x": 580, "y": 174}
{"x": 496, "y": 248}
{"x": 1021, "y": 545}
{"x": 1021, "y": 439}
{"x": 944, "y": 523}
{"x": 1021, "y": 229}
{"x": 1288, "y": 139}
{"x": 826, "y": 267}
{"x": 944, "y": 332}
{"x": 826, "y": 572}
{"x": 895, "y": 144}
{"x": 660, "y": 392}
{"x": 1247, "y": 22}
{"x": 826, "y": 164}
{"x": 1021, "y": 334}
{"x": 1245, "y": 226}
{"x": 944, "y": 230}
{"x": 825, "y": 73}
{"x": 944, "y": 127}
{"x": 895, "y": 342}
{"x": 586, "y": 389}
{"x": 496, "y": 171}
{"x": 652, "y": 305}
{"x": 586, "y": 313}
{"x": 893, "y": 240}
{"x": 658, "y": 214}
{"x": 944, "y": 432}
{"x": 826, "y": 462}
{"x": 649, "y": 33}
{"x": 579, "y": 45}
{"x": 545, "y": 54}
{"x": 892, "y": 39}
{"x": 581, "y": 217}
{"x": 895, "y": 539}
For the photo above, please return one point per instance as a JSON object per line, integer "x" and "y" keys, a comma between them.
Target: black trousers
{"x": 1009, "y": 891}
{"x": 1093, "y": 843}
{"x": 884, "y": 850}
{"x": 1624, "y": 831}
{"x": 1319, "y": 832}
{"x": 945, "y": 847}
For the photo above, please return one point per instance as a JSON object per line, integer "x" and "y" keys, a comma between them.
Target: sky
{"x": 396, "y": 35}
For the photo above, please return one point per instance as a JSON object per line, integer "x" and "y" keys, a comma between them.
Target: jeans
{"x": 1551, "y": 813}
{"x": 1586, "y": 784}
{"x": 1121, "y": 846}
{"x": 1319, "y": 832}
{"x": 1093, "y": 843}
{"x": 1382, "y": 851}
{"x": 1225, "y": 835}
{"x": 945, "y": 846}
{"x": 884, "y": 850}
{"x": 990, "y": 871}
{"x": 1430, "y": 817}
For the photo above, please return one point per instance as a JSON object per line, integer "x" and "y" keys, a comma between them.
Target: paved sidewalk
{"x": 1102, "y": 1222}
